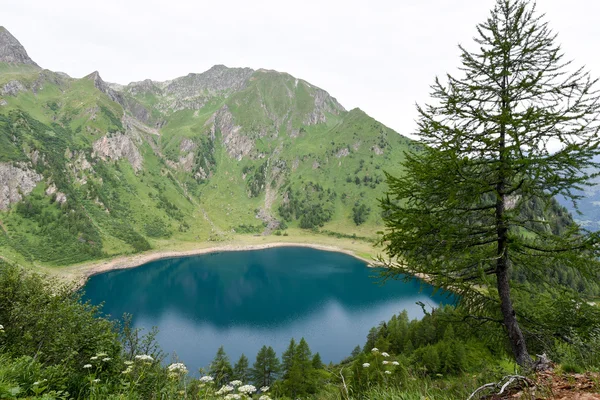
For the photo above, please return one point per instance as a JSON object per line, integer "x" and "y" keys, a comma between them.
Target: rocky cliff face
{"x": 117, "y": 147}
{"x": 237, "y": 144}
{"x": 16, "y": 181}
{"x": 11, "y": 51}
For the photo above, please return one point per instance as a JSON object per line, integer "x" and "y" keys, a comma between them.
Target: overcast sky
{"x": 379, "y": 55}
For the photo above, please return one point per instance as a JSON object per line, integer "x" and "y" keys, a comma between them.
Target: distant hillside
{"x": 90, "y": 169}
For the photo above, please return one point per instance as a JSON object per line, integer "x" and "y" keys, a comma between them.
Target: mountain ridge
{"x": 12, "y": 51}
{"x": 91, "y": 169}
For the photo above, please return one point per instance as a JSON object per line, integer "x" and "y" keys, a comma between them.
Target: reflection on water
{"x": 244, "y": 300}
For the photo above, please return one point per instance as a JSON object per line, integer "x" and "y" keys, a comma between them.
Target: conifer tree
{"x": 518, "y": 125}
{"x": 266, "y": 367}
{"x": 287, "y": 358}
{"x": 241, "y": 370}
{"x": 220, "y": 367}
{"x": 317, "y": 363}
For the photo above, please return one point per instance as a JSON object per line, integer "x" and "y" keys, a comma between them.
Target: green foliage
{"x": 220, "y": 367}
{"x": 241, "y": 369}
{"x": 157, "y": 228}
{"x": 360, "y": 213}
{"x": 312, "y": 205}
{"x": 462, "y": 213}
{"x": 243, "y": 228}
{"x": 266, "y": 368}
{"x": 256, "y": 181}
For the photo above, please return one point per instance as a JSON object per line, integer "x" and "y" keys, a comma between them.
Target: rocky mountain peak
{"x": 105, "y": 87}
{"x": 217, "y": 79}
{"x": 11, "y": 51}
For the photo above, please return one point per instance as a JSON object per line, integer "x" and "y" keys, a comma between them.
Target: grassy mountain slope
{"x": 91, "y": 169}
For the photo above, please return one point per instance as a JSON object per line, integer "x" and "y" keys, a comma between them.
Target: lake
{"x": 246, "y": 299}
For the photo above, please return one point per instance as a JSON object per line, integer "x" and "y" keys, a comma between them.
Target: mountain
{"x": 11, "y": 51}
{"x": 91, "y": 169}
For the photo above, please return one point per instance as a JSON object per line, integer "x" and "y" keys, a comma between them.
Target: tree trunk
{"x": 517, "y": 341}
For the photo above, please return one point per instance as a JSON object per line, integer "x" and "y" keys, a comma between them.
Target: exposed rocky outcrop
{"x": 136, "y": 109}
{"x": 16, "y": 181}
{"x": 104, "y": 87}
{"x": 342, "y": 153}
{"x": 56, "y": 78}
{"x": 116, "y": 147}
{"x": 12, "y": 88}
{"x": 377, "y": 150}
{"x": 11, "y": 51}
{"x": 324, "y": 103}
{"x": 60, "y": 196}
{"x": 189, "y": 92}
{"x": 236, "y": 143}
{"x": 216, "y": 80}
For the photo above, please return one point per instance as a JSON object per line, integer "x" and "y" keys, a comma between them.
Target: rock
{"x": 12, "y": 88}
{"x": 60, "y": 196}
{"x": 216, "y": 80}
{"x": 377, "y": 150}
{"x": 16, "y": 181}
{"x": 323, "y": 103}
{"x": 343, "y": 153}
{"x": 543, "y": 363}
{"x": 187, "y": 145}
{"x": 117, "y": 147}
{"x": 237, "y": 144}
{"x": 136, "y": 109}
{"x": 11, "y": 51}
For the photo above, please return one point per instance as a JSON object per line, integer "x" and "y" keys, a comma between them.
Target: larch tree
{"x": 517, "y": 124}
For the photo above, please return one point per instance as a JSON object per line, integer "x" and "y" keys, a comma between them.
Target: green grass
{"x": 124, "y": 208}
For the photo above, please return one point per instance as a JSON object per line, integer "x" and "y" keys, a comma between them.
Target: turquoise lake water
{"x": 246, "y": 299}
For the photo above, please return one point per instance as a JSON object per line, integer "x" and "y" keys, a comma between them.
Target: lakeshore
{"x": 80, "y": 273}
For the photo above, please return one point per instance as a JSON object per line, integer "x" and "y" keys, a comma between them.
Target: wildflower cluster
{"x": 247, "y": 389}
{"x": 177, "y": 369}
{"x": 225, "y": 389}
{"x": 144, "y": 357}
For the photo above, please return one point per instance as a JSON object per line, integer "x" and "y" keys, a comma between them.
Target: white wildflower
{"x": 385, "y": 362}
{"x": 385, "y": 354}
{"x": 144, "y": 357}
{"x": 247, "y": 389}
{"x": 224, "y": 389}
{"x": 235, "y": 383}
{"x": 1, "y": 327}
{"x": 178, "y": 367}
{"x": 128, "y": 362}
{"x": 127, "y": 370}
{"x": 264, "y": 397}
{"x": 388, "y": 372}
{"x": 233, "y": 396}
{"x": 395, "y": 363}
{"x": 366, "y": 365}
{"x": 96, "y": 381}
{"x": 264, "y": 389}
{"x": 106, "y": 359}
{"x": 207, "y": 379}
{"x": 36, "y": 383}
{"x": 86, "y": 366}
{"x": 94, "y": 358}
{"x": 375, "y": 350}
